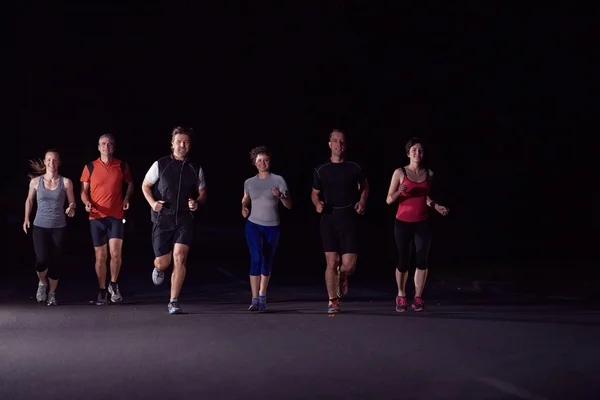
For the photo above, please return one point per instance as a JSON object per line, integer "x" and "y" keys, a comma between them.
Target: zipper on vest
{"x": 178, "y": 194}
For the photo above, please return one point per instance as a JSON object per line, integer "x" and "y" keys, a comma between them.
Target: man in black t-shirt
{"x": 339, "y": 193}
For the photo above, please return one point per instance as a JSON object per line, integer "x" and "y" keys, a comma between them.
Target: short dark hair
{"x": 411, "y": 142}
{"x": 258, "y": 150}
{"x": 337, "y": 131}
{"x": 182, "y": 130}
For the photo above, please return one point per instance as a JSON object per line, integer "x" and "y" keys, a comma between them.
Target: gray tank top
{"x": 51, "y": 205}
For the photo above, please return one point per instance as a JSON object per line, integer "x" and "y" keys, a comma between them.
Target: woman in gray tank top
{"x": 260, "y": 205}
{"x": 49, "y": 189}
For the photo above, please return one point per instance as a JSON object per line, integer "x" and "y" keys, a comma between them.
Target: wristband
{"x": 432, "y": 204}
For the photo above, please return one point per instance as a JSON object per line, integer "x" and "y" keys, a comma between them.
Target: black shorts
{"x": 104, "y": 229}
{"x": 338, "y": 231}
{"x": 166, "y": 234}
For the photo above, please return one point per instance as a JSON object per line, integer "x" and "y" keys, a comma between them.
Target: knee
{"x": 162, "y": 263}
{"x": 115, "y": 256}
{"x": 53, "y": 274}
{"x": 421, "y": 262}
{"x": 179, "y": 260}
{"x": 332, "y": 264}
{"x": 255, "y": 256}
{"x": 100, "y": 258}
{"x": 348, "y": 267}
{"x": 255, "y": 267}
{"x": 404, "y": 260}
{"x": 266, "y": 270}
{"x": 41, "y": 265}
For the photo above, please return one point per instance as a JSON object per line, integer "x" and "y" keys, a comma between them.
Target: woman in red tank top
{"x": 410, "y": 186}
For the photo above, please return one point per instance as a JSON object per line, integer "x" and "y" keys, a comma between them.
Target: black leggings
{"x": 48, "y": 244}
{"x": 407, "y": 232}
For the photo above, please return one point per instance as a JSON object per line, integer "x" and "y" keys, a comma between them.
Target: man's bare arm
{"x": 364, "y": 191}
{"x": 129, "y": 191}
{"x": 315, "y": 197}
{"x": 202, "y": 195}
{"x": 147, "y": 191}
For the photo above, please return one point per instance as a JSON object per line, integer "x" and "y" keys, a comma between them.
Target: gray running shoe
{"x": 52, "y": 300}
{"x": 158, "y": 276}
{"x": 102, "y": 298}
{"x": 174, "y": 307}
{"x": 42, "y": 293}
{"x": 115, "y": 295}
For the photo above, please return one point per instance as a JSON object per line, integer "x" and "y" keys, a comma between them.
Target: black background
{"x": 496, "y": 93}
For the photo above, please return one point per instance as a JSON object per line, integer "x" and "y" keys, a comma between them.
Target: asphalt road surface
{"x": 464, "y": 346}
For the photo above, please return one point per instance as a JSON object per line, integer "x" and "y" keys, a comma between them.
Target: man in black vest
{"x": 174, "y": 186}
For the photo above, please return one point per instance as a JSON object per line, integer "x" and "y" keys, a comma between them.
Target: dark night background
{"x": 494, "y": 91}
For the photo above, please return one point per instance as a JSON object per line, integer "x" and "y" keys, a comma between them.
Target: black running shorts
{"x": 338, "y": 231}
{"x": 166, "y": 234}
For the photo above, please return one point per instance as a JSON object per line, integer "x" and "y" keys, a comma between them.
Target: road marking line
{"x": 511, "y": 389}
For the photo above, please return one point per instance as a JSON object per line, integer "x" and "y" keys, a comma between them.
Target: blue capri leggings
{"x": 262, "y": 243}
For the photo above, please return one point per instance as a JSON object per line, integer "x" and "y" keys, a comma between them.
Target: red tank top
{"x": 413, "y": 202}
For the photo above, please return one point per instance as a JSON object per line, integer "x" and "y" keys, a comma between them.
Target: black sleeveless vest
{"x": 177, "y": 182}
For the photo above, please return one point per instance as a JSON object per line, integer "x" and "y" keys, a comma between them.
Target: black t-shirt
{"x": 338, "y": 182}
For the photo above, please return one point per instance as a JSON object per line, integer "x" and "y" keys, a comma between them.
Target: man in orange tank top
{"x": 102, "y": 195}
{"x": 410, "y": 186}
